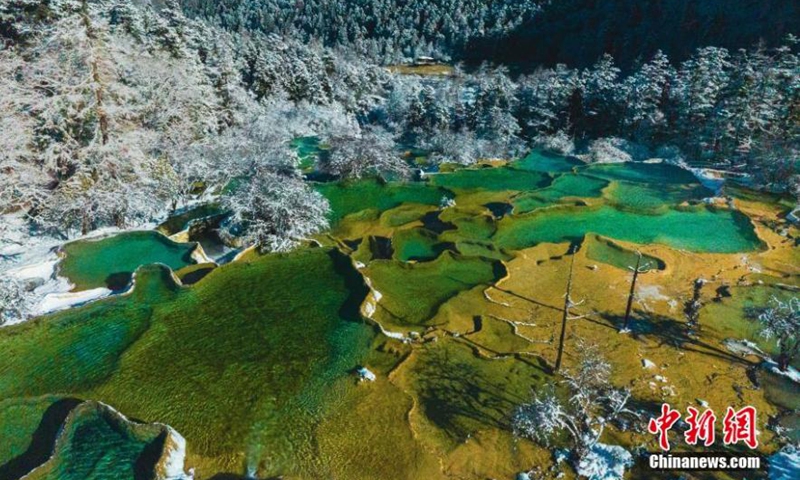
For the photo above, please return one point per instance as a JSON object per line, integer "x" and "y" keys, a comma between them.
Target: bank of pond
{"x": 252, "y": 362}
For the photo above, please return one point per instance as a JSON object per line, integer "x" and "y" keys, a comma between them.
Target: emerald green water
{"x": 496, "y": 179}
{"x": 476, "y": 227}
{"x": 653, "y": 198}
{"x": 649, "y": 173}
{"x": 610, "y": 253}
{"x": 251, "y": 359}
{"x": 352, "y": 197}
{"x": 700, "y": 230}
{"x": 413, "y": 292}
{"x": 110, "y": 261}
{"x": 96, "y": 444}
{"x": 416, "y": 244}
{"x": 308, "y": 149}
{"x": 564, "y": 185}
{"x": 240, "y": 362}
{"x": 637, "y": 202}
{"x": 537, "y": 161}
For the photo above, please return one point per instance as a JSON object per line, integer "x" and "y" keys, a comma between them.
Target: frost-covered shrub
{"x": 370, "y": 151}
{"x": 559, "y": 143}
{"x": 604, "y": 462}
{"x": 593, "y": 403}
{"x": 16, "y": 302}
{"x": 616, "y": 150}
{"x": 275, "y": 212}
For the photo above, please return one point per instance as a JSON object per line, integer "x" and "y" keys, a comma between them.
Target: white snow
{"x": 794, "y": 216}
{"x": 365, "y": 374}
{"x": 743, "y": 347}
{"x": 59, "y": 301}
{"x": 785, "y": 465}
{"x": 791, "y": 373}
{"x": 176, "y": 457}
{"x": 35, "y": 259}
{"x": 710, "y": 179}
{"x": 604, "y": 462}
{"x": 648, "y": 363}
{"x": 651, "y": 292}
{"x": 43, "y": 269}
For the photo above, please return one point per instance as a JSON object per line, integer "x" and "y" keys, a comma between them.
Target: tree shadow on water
{"x": 42, "y": 442}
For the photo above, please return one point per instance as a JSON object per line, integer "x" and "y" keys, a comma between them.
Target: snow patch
{"x": 648, "y": 364}
{"x": 743, "y": 348}
{"x": 44, "y": 270}
{"x": 173, "y": 463}
{"x": 604, "y": 462}
{"x": 791, "y": 373}
{"x": 365, "y": 374}
{"x": 651, "y": 292}
{"x": 59, "y": 301}
{"x": 785, "y": 465}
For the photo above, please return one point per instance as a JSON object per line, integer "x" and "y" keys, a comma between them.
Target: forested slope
{"x": 526, "y": 33}
{"x": 578, "y": 32}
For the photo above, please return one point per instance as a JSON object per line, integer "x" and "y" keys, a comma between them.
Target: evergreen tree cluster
{"x": 383, "y": 30}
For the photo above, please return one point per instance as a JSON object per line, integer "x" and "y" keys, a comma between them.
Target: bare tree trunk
{"x": 632, "y": 293}
{"x": 783, "y": 362}
{"x": 567, "y": 305}
{"x": 98, "y": 90}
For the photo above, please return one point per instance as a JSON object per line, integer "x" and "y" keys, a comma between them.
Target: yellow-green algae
{"x": 268, "y": 343}
{"x": 413, "y": 292}
{"x": 351, "y": 197}
{"x": 238, "y": 363}
{"x": 611, "y": 253}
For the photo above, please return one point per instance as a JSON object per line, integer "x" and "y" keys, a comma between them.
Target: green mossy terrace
{"x": 253, "y": 364}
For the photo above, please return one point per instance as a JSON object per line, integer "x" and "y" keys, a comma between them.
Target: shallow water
{"x": 496, "y": 179}
{"x": 109, "y": 262}
{"x": 572, "y": 185}
{"x": 417, "y": 244}
{"x": 537, "y": 161}
{"x": 648, "y": 173}
{"x": 243, "y": 361}
{"x": 610, "y": 253}
{"x": 251, "y": 362}
{"x": 352, "y": 197}
{"x": 699, "y": 230}
{"x": 652, "y": 197}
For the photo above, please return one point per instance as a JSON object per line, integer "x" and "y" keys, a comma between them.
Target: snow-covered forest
{"x": 384, "y": 30}
{"x": 282, "y": 227}
{"x": 117, "y": 114}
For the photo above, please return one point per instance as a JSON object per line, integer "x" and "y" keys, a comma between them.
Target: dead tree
{"x": 692, "y": 307}
{"x": 568, "y": 304}
{"x": 632, "y": 294}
